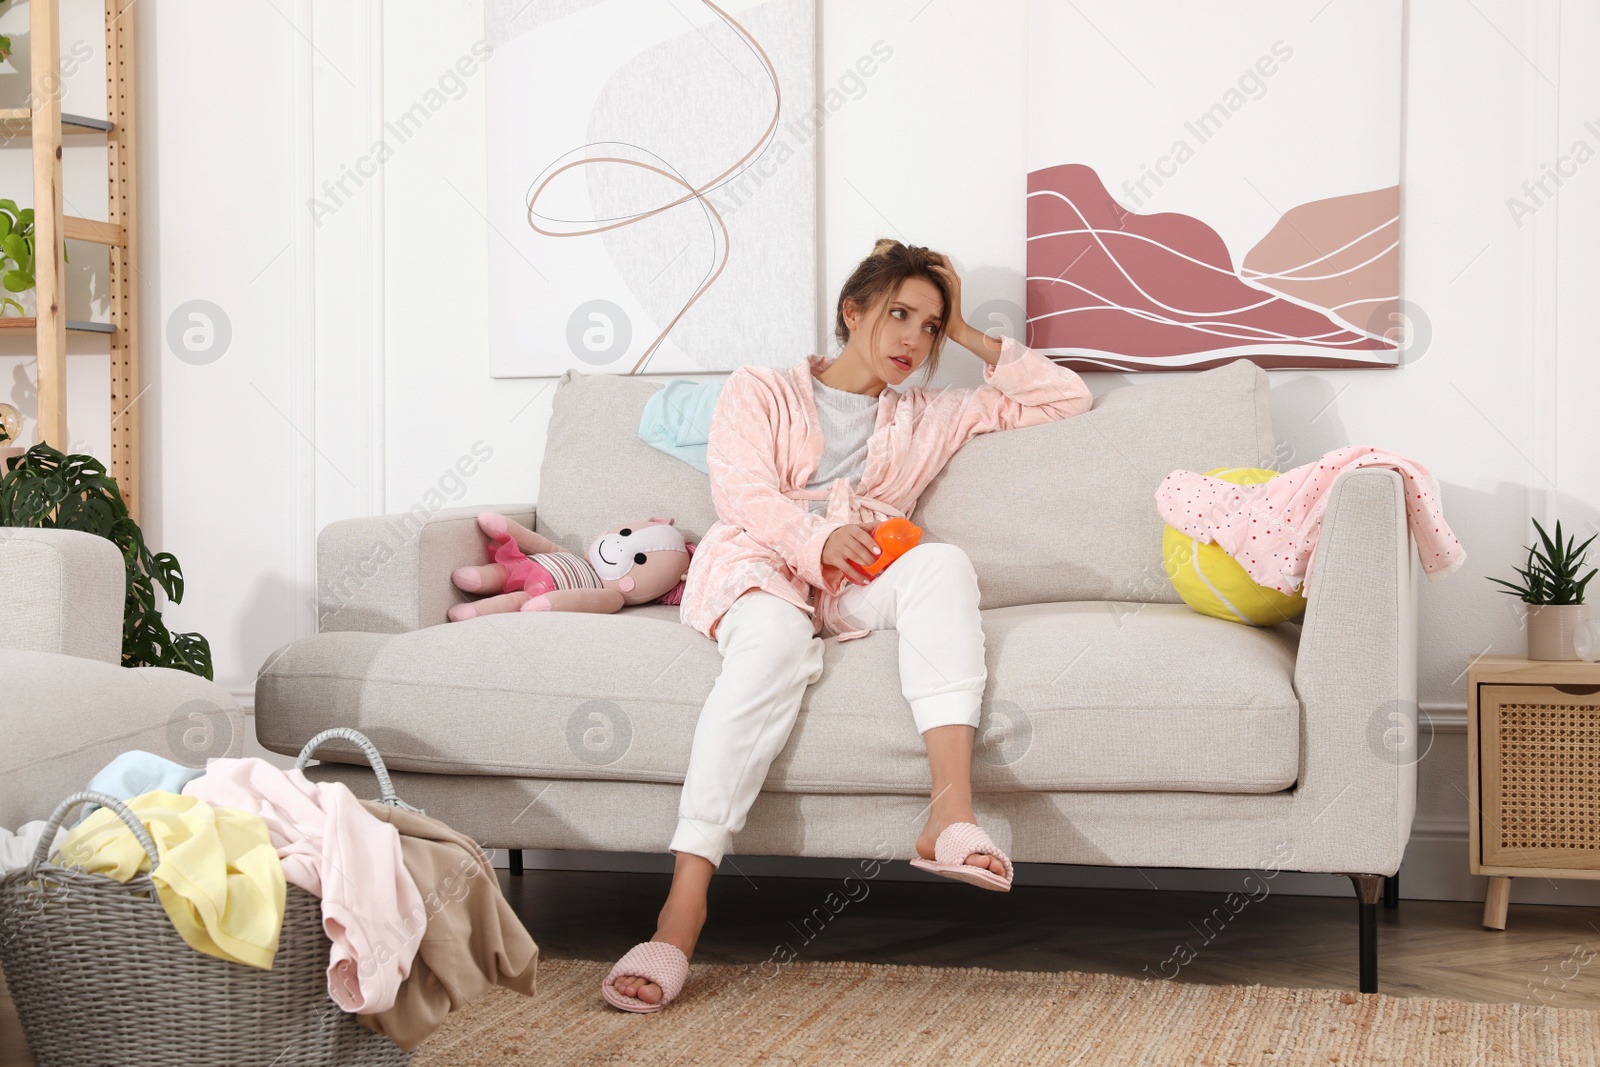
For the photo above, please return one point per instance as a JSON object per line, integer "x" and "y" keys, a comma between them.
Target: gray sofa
{"x": 1121, "y": 728}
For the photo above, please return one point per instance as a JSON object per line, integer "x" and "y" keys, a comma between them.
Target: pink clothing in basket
{"x": 333, "y": 848}
{"x": 766, "y": 441}
{"x": 1271, "y": 528}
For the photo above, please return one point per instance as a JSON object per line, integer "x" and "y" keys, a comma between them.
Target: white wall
{"x": 222, "y": 90}
{"x": 357, "y": 372}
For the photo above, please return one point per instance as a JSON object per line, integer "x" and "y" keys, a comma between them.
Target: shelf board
{"x": 18, "y": 121}
{"x": 100, "y": 233}
{"x": 19, "y": 322}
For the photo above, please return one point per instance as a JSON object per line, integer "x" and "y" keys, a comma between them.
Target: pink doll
{"x": 631, "y": 564}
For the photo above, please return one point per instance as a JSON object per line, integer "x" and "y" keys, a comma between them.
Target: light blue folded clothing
{"x": 135, "y": 773}
{"x": 677, "y": 419}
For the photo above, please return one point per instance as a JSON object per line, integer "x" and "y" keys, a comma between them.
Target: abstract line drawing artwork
{"x": 651, "y": 191}
{"x": 1209, "y": 181}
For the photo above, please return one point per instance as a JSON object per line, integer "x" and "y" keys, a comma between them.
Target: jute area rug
{"x": 850, "y": 1013}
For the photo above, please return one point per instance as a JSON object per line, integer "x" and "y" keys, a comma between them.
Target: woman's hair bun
{"x": 884, "y": 246}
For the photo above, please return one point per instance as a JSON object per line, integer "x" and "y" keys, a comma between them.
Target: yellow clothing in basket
{"x": 219, "y": 879}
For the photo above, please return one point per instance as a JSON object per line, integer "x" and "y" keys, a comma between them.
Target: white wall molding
{"x": 375, "y": 467}
{"x": 1544, "y": 497}
{"x": 1576, "y": 265}
{"x": 1445, "y": 718}
{"x": 303, "y": 353}
{"x": 345, "y": 208}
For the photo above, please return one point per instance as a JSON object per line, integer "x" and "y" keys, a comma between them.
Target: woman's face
{"x": 910, "y": 321}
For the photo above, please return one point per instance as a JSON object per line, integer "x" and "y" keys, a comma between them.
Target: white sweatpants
{"x": 770, "y": 656}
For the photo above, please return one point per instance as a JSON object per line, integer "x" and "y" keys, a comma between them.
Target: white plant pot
{"x": 1550, "y": 629}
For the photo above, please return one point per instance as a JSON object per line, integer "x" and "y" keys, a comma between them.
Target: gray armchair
{"x": 67, "y": 706}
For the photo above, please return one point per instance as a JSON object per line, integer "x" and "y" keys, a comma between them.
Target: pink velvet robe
{"x": 766, "y": 441}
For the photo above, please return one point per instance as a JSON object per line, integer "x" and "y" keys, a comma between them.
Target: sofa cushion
{"x": 1067, "y": 511}
{"x": 1081, "y": 696}
{"x": 1064, "y": 511}
{"x": 598, "y": 472}
{"x": 65, "y": 717}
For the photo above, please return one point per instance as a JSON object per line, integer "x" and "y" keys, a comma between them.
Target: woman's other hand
{"x": 980, "y": 344}
{"x": 955, "y": 325}
{"x": 851, "y": 543}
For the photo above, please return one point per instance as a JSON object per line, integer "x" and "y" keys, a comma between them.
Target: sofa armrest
{"x": 61, "y": 591}
{"x": 1356, "y": 675}
{"x": 390, "y": 574}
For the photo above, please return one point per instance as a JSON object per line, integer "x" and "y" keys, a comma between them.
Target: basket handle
{"x": 41, "y": 852}
{"x": 368, "y": 749}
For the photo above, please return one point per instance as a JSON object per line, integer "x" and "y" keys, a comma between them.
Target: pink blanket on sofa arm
{"x": 1271, "y": 528}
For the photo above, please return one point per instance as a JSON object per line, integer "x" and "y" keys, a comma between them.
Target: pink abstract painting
{"x": 1221, "y": 182}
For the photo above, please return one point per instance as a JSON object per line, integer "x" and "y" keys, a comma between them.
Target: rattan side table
{"x": 1533, "y": 772}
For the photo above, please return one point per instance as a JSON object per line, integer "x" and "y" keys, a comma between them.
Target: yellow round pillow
{"x": 1214, "y": 583}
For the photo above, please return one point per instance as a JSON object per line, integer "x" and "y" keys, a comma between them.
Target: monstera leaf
{"x": 45, "y": 489}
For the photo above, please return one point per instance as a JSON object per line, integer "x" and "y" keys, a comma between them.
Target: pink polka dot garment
{"x": 1271, "y": 528}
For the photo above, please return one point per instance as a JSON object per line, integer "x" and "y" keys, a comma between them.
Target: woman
{"x": 805, "y": 462}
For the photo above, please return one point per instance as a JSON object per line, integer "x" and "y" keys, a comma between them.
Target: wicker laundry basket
{"x": 100, "y": 976}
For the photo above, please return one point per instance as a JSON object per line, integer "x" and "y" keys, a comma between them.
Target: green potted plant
{"x": 45, "y": 489}
{"x": 1553, "y": 592}
{"x": 16, "y": 254}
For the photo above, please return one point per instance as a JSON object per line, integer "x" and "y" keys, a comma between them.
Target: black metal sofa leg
{"x": 516, "y": 861}
{"x": 1369, "y": 887}
{"x": 1391, "y": 890}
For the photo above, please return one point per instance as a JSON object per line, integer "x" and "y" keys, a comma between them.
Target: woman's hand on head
{"x": 955, "y": 325}
{"x": 979, "y": 344}
{"x": 852, "y": 542}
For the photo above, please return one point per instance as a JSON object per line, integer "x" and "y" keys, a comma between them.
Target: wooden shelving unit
{"x": 44, "y": 124}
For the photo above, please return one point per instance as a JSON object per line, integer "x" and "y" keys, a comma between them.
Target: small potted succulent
{"x": 1554, "y": 594}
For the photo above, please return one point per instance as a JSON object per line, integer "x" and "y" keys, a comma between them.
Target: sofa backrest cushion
{"x": 598, "y": 472}
{"x": 1064, "y": 511}
{"x": 1067, "y": 510}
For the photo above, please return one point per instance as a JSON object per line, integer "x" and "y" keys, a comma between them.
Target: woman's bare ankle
{"x": 679, "y": 923}
{"x": 684, "y": 912}
{"x": 951, "y": 805}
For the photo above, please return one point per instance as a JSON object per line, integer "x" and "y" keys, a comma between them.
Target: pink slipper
{"x": 955, "y": 843}
{"x": 656, "y": 961}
